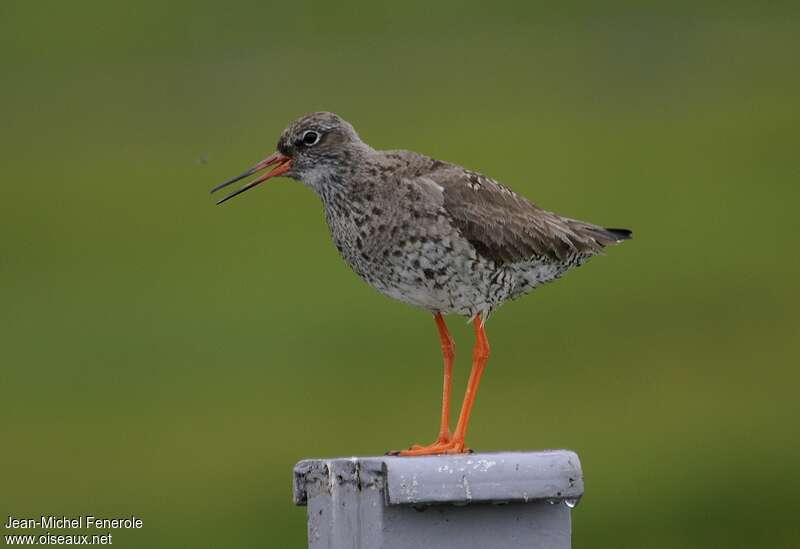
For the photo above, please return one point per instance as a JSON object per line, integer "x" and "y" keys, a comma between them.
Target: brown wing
{"x": 506, "y": 228}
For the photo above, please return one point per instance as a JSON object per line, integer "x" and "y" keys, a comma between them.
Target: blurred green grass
{"x": 168, "y": 358}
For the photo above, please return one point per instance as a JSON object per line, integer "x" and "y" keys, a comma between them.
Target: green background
{"x": 168, "y": 358}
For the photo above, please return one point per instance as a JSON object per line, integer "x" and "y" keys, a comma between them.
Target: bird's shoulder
{"x": 408, "y": 176}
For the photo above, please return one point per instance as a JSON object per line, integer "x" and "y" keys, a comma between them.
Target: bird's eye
{"x": 310, "y": 138}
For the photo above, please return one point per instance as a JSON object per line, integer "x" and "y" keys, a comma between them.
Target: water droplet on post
{"x": 571, "y": 502}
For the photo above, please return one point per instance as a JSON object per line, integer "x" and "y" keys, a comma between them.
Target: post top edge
{"x": 492, "y": 477}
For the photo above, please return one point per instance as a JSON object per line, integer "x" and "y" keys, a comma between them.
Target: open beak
{"x": 281, "y": 162}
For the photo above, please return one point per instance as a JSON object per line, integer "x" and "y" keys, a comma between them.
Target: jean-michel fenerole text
{"x": 79, "y": 522}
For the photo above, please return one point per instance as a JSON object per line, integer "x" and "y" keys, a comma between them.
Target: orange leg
{"x": 448, "y": 353}
{"x": 456, "y": 443}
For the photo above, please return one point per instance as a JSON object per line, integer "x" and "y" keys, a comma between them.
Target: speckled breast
{"x": 420, "y": 259}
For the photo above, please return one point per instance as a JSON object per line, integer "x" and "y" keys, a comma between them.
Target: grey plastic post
{"x": 497, "y": 501}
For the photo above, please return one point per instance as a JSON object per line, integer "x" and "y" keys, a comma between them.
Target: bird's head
{"x": 311, "y": 149}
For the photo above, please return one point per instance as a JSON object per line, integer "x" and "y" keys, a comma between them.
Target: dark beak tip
{"x": 233, "y": 180}
{"x": 276, "y": 158}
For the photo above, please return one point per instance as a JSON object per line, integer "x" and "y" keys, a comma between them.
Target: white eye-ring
{"x": 310, "y": 138}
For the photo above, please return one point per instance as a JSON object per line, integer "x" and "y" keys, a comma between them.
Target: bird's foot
{"x": 441, "y": 446}
{"x": 445, "y": 436}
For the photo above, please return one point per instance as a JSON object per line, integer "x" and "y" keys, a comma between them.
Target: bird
{"x": 431, "y": 234}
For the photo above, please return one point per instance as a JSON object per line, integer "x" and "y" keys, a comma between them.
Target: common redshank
{"x": 430, "y": 233}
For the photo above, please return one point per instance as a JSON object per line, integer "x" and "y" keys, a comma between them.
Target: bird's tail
{"x": 607, "y": 237}
{"x": 619, "y": 234}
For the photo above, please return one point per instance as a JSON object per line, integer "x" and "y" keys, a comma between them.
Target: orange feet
{"x": 443, "y": 445}
{"x": 437, "y": 448}
{"x": 444, "y": 438}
